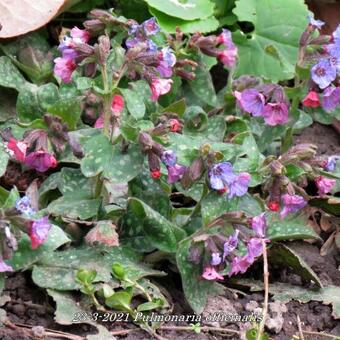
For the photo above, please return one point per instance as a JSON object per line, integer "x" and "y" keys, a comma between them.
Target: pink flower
{"x": 41, "y": 160}
{"x": 39, "y": 231}
{"x": 81, "y": 36}
{"x": 159, "y": 87}
{"x": 175, "y": 173}
{"x": 240, "y": 265}
{"x": 117, "y": 104}
{"x": 210, "y": 274}
{"x": 259, "y": 225}
{"x": 225, "y": 38}
{"x": 324, "y": 185}
{"x": 275, "y": 114}
{"x": 18, "y": 148}
{"x": 311, "y": 100}
{"x": 228, "y": 56}
{"x": 64, "y": 68}
{"x": 5, "y": 267}
{"x": 291, "y": 204}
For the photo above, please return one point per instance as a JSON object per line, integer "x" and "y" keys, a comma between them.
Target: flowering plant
{"x": 136, "y": 156}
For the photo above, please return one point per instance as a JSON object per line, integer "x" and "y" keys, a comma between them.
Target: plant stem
{"x": 106, "y": 100}
{"x": 266, "y": 291}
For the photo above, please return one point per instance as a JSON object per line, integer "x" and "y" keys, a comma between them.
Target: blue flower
{"x": 221, "y": 175}
{"x": 336, "y": 35}
{"x": 169, "y": 158}
{"x": 331, "y": 163}
{"x": 24, "y": 206}
{"x": 315, "y": 23}
{"x": 323, "y": 73}
{"x": 150, "y": 27}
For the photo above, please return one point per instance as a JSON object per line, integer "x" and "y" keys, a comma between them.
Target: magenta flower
{"x": 252, "y": 102}
{"x": 117, "y": 105}
{"x": 64, "y": 68}
{"x": 167, "y": 60}
{"x": 210, "y": 274}
{"x": 259, "y": 225}
{"x": 331, "y": 163}
{"x": 291, "y": 204}
{"x": 175, "y": 173}
{"x": 231, "y": 244}
{"x": 221, "y": 175}
{"x": 225, "y": 38}
{"x": 215, "y": 259}
{"x": 239, "y": 186}
{"x": 331, "y": 98}
{"x": 275, "y": 114}
{"x": 254, "y": 248}
{"x": 323, "y": 73}
{"x": 240, "y": 264}
{"x": 159, "y": 87}
{"x": 228, "y": 56}
{"x": 5, "y": 267}
{"x": 41, "y": 161}
{"x": 17, "y": 149}
{"x": 324, "y": 185}
{"x": 39, "y": 231}
{"x": 80, "y": 36}
{"x": 169, "y": 158}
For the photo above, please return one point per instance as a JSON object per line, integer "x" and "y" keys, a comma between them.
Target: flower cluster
{"x": 40, "y": 160}
{"x": 67, "y": 63}
{"x": 220, "y": 47}
{"x": 38, "y": 229}
{"x": 230, "y": 257}
{"x": 325, "y": 90}
{"x": 268, "y": 101}
{"x": 223, "y": 178}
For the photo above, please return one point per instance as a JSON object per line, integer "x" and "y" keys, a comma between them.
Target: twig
{"x": 300, "y": 328}
{"x": 326, "y": 335}
{"x": 266, "y": 290}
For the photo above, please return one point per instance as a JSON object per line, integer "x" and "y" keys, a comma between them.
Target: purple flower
{"x": 175, "y": 173}
{"x": 275, "y": 114}
{"x": 323, "y": 73}
{"x": 166, "y": 62}
{"x": 324, "y": 185}
{"x": 315, "y": 23}
{"x": 331, "y": 98}
{"x": 331, "y": 163}
{"x": 231, "y": 244}
{"x": 259, "y": 225}
{"x": 239, "y": 186}
{"x": 255, "y": 248}
{"x": 41, "y": 160}
{"x": 150, "y": 27}
{"x": 210, "y": 274}
{"x": 169, "y": 157}
{"x": 64, "y": 68}
{"x": 39, "y": 231}
{"x": 334, "y": 54}
{"x": 225, "y": 38}
{"x": 5, "y": 267}
{"x": 24, "y": 206}
{"x": 215, "y": 259}
{"x": 221, "y": 175}
{"x": 240, "y": 264}
{"x": 252, "y": 102}
{"x": 336, "y": 35}
{"x": 292, "y": 204}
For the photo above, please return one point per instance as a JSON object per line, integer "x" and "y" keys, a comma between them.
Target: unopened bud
{"x": 102, "y": 49}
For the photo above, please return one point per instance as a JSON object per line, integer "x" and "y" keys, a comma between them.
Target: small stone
{"x": 38, "y": 331}
{"x": 251, "y": 305}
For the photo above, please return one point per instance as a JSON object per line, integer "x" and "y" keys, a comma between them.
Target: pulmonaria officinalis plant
{"x": 138, "y": 159}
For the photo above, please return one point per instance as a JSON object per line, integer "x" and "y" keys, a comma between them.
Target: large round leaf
{"x": 271, "y": 49}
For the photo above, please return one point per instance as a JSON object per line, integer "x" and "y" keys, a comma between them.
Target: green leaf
{"x": 68, "y": 110}
{"x": 162, "y": 233}
{"x": 195, "y": 289}
{"x": 290, "y": 228}
{"x": 283, "y": 255}
{"x": 187, "y": 9}
{"x": 7, "y": 104}
{"x": 25, "y": 256}
{"x": 120, "y": 300}
{"x": 4, "y": 158}
{"x": 177, "y": 107}
{"x": 58, "y": 270}
{"x": 68, "y": 309}
{"x": 10, "y": 76}
{"x": 169, "y": 23}
{"x": 270, "y": 51}
{"x": 102, "y": 156}
{"x": 134, "y": 103}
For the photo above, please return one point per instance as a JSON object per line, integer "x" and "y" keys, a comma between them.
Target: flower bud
{"x": 102, "y": 49}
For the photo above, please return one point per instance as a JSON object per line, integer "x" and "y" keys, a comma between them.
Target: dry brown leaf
{"x": 18, "y": 17}
{"x": 103, "y": 233}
